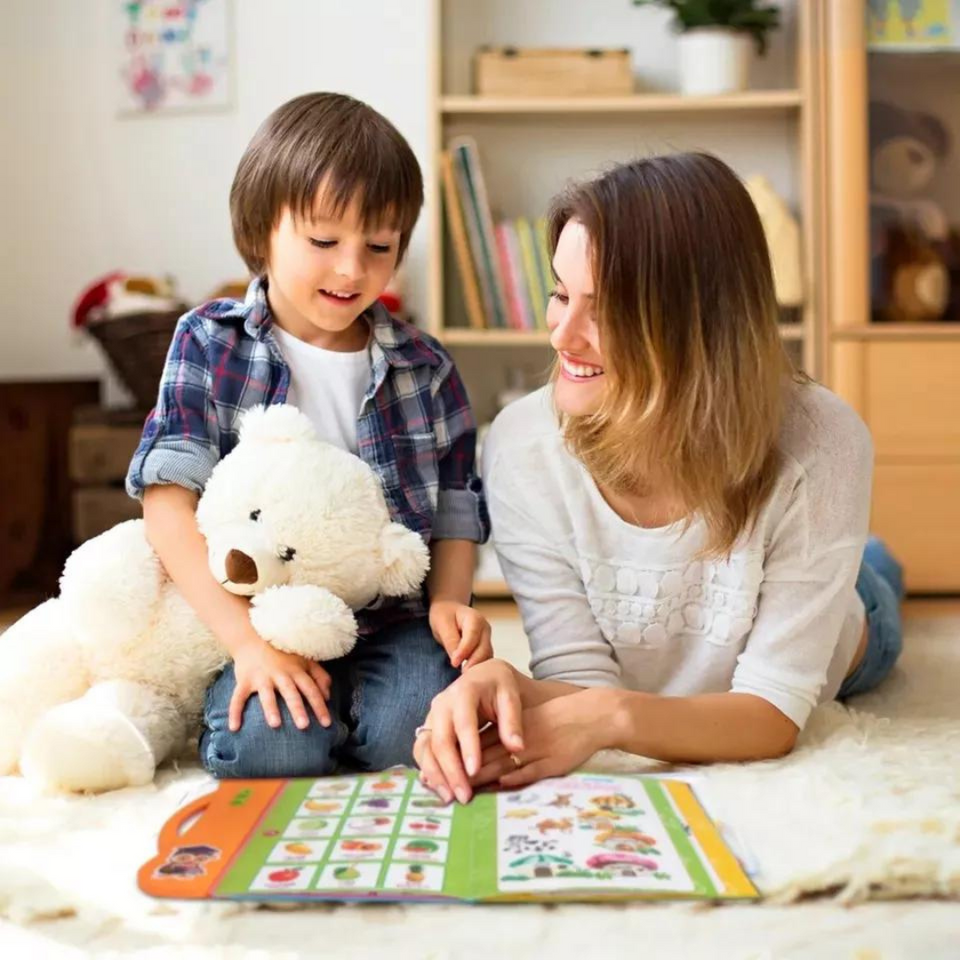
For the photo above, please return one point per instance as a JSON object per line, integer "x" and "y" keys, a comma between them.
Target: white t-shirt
{"x": 327, "y": 386}
{"x": 605, "y": 602}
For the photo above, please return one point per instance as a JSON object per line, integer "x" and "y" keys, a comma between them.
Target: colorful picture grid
{"x": 356, "y": 836}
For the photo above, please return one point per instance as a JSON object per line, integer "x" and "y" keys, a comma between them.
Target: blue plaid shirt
{"x": 415, "y": 428}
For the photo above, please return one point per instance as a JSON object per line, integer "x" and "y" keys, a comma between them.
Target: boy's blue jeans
{"x": 380, "y": 693}
{"x": 880, "y": 585}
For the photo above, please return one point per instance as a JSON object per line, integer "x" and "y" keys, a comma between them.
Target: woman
{"x": 680, "y": 515}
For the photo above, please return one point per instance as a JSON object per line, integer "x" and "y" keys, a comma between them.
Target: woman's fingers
{"x": 465, "y": 724}
{"x": 527, "y": 774}
{"x": 430, "y": 773}
{"x": 446, "y": 747}
{"x": 509, "y": 713}
{"x": 309, "y": 688}
{"x": 489, "y": 737}
{"x": 494, "y": 763}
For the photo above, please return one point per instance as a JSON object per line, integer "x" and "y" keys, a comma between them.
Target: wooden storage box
{"x": 102, "y": 443}
{"x": 97, "y": 509}
{"x": 535, "y": 72}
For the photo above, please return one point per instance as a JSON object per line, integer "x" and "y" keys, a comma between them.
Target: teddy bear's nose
{"x": 241, "y": 568}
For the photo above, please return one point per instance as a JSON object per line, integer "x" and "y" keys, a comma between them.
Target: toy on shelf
{"x": 914, "y": 252}
{"x": 133, "y": 319}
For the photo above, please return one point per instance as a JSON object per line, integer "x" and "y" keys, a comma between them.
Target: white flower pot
{"x": 714, "y": 60}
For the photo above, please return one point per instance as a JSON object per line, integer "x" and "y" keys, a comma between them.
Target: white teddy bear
{"x": 103, "y": 683}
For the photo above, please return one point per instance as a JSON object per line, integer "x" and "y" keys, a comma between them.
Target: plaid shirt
{"x": 415, "y": 428}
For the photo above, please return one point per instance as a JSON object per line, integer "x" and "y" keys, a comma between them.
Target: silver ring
{"x": 419, "y": 730}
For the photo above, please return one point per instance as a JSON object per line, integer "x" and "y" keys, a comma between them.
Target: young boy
{"x": 323, "y": 204}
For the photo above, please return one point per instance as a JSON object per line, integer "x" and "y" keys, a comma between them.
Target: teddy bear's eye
{"x": 254, "y": 514}
{"x": 287, "y": 553}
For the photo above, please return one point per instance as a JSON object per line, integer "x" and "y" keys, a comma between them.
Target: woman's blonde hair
{"x": 695, "y": 366}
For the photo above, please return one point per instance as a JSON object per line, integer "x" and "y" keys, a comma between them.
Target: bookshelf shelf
{"x": 753, "y": 100}
{"x": 898, "y": 331}
{"x": 463, "y": 336}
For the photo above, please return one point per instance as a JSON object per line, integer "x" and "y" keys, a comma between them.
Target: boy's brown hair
{"x": 329, "y": 139}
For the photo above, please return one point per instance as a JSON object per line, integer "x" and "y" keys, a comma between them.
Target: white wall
{"x": 83, "y": 192}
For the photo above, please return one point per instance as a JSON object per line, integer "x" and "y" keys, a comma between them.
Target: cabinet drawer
{"x": 101, "y": 454}
{"x": 912, "y": 395}
{"x": 96, "y": 509}
{"x": 916, "y": 509}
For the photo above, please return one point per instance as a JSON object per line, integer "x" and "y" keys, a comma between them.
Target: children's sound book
{"x": 384, "y": 836}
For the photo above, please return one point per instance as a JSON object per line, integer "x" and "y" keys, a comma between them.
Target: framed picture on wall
{"x": 176, "y": 56}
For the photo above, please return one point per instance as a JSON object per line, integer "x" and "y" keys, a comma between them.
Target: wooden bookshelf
{"x": 789, "y": 107}
{"x": 753, "y": 100}
{"x": 898, "y": 331}
{"x": 469, "y": 337}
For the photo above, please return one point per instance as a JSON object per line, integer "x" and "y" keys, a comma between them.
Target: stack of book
{"x": 505, "y": 266}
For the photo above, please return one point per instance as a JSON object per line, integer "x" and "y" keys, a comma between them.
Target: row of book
{"x": 504, "y": 267}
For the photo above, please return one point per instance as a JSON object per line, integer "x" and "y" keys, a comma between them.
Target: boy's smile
{"x": 325, "y": 271}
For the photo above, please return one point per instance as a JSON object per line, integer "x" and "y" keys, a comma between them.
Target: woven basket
{"x": 136, "y": 345}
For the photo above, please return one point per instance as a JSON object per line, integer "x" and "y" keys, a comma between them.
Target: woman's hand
{"x": 559, "y": 736}
{"x": 448, "y": 749}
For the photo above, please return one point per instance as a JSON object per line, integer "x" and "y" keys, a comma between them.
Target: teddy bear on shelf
{"x": 913, "y": 251}
{"x": 101, "y": 684}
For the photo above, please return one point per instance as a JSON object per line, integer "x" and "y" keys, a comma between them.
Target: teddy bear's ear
{"x": 406, "y": 561}
{"x": 279, "y": 423}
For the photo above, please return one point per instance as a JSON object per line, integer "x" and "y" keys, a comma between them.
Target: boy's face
{"x": 324, "y": 271}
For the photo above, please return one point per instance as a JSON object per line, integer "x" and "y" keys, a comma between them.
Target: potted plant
{"x": 715, "y": 41}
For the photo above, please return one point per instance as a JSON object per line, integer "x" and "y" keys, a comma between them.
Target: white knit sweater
{"x": 605, "y": 602}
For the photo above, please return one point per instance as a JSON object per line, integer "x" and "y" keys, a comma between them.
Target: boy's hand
{"x": 262, "y": 669}
{"x": 462, "y": 632}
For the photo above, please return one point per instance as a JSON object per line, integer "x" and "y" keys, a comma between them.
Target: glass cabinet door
{"x": 913, "y": 147}
{"x": 890, "y": 143}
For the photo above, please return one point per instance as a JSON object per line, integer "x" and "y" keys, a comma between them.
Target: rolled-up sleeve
{"x": 461, "y": 512}
{"x": 180, "y": 442}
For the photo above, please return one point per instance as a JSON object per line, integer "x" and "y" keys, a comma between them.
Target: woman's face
{"x": 572, "y": 321}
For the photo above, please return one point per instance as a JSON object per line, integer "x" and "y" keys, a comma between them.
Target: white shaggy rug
{"x": 867, "y": 807}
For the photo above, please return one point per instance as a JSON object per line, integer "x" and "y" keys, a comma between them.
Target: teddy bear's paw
{"x": 112, "y": 737}
{"x": 306, "y": 620}
{"x": 406, "y": 561}
{"x": 59, "y": 756}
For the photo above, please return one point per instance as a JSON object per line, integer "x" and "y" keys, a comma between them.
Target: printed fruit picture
{"x": 346, "y": 874}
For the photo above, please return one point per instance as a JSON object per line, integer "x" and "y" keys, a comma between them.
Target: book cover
{"x": 532, "y": 270}
{"x": 461, "y": 245}
{"x": 467, "y": 154}
{"x": 512, "y": 277}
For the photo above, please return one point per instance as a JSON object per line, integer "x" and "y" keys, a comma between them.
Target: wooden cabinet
{"x": 101, "y": 445}
{"x": 903, "y": 378}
